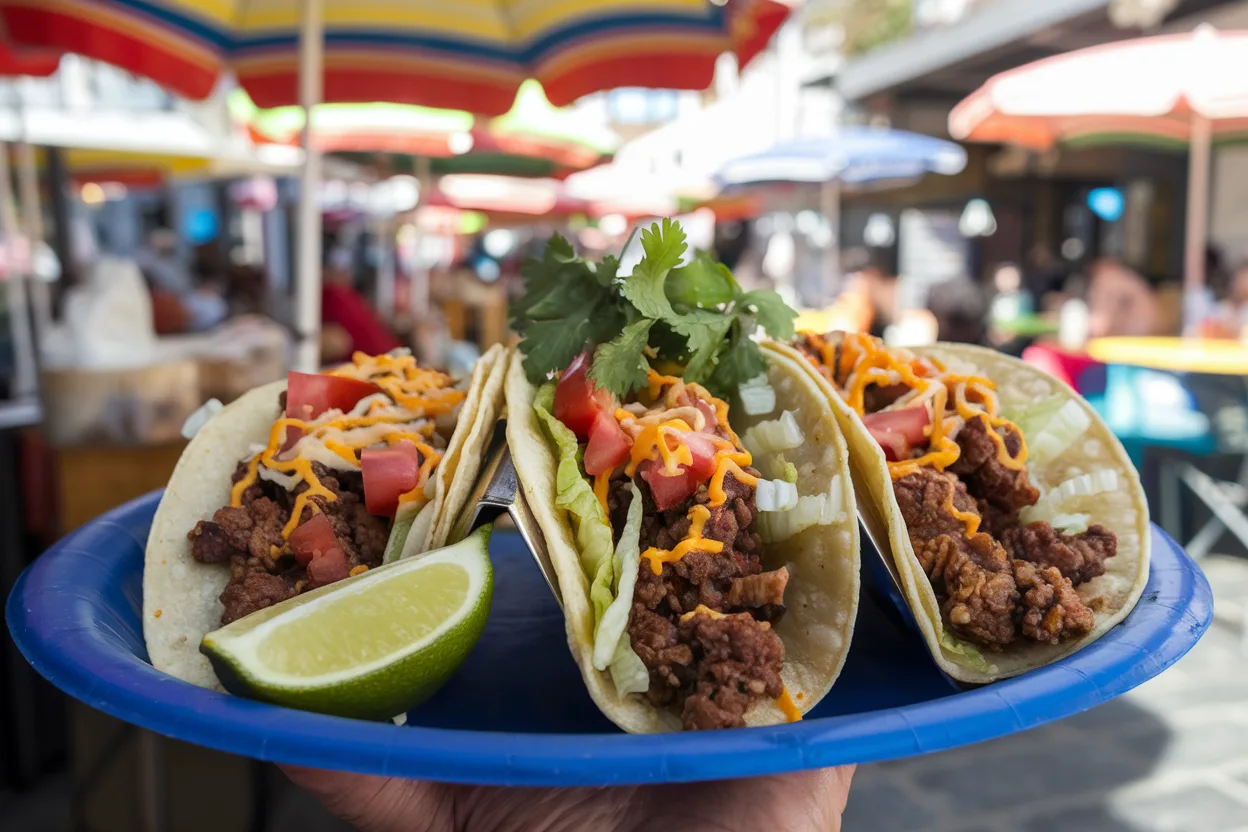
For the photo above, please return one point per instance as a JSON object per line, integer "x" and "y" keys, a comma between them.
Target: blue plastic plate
{"x": 518, "y": 714}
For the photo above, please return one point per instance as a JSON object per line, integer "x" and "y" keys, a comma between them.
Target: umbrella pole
{"x": 308, "y": 275}
{"x": 1197, "y": 222}
{"x": 28, "y": 185}
{"x": 25, "y": 381}
{"x": 420, "y": 274}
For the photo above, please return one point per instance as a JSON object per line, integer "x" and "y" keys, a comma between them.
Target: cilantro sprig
{"x": 695, "y": 316}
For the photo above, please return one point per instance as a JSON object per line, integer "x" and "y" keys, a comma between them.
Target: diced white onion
{"x": 758, "y": 398}
{"x": 1082, "y": 487}
{"x": 1067, "y": 425}
{"x": 774, "y": 435}
{"x": 200, "y": 417}
{"x": 284, "y": 480}
{"x": 1070, "y": 523}
{"x": 810, "y": 510}
{"x": 775, "y": 495}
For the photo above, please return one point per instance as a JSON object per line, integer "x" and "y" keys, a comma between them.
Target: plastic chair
{"x": 1193, "y": 415}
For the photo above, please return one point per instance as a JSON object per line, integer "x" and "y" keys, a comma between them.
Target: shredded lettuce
{"x": 403, "y": 521}
{"x": 574, "y": 494}
{"x": 970, "y": 655}
{"x": 789, "y": 473}
{"x": 1059, "y": 433}
{"x": 1031, "y": 418}
{"x": 626, "y": 560}
{"x": 211, "y": 408}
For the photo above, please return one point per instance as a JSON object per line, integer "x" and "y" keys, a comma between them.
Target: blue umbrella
{"x": 855, "y": 155}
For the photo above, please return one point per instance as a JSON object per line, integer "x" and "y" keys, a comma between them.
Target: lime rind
{"x": 378, "y": 689}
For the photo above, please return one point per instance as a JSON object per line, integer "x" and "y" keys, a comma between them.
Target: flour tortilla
{"x": 1125, "y": 511}
{"x": 181, "y": 597}
{"x": 822, "y": 595}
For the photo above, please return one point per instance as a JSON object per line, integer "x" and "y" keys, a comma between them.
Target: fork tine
{"x": 497, "y": 490}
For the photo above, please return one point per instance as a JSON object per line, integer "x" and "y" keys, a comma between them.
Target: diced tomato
{"x": 577, "y": 400}
{"x": 667, "y": 491}
{"x": 897, "y": 431}
{"x": 388, "y": 474}
{"x": 709, "y": 412}
{"x": 327, "y": 568}
{"x": 702, "y": 450}
{"x": 672, "y": 490}
{"x": 909, "y": 422}
{"x": 895, "y": 446}
{"x": 608, "y": 445}
{"x": 308, "y": 395}
{"x": 312, "y": 538}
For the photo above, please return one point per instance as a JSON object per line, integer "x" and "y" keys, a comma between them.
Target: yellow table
{"x": 1184, "y": 355}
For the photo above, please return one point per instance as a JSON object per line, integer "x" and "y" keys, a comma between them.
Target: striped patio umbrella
{"x": 470, "y": 55}
{"x": 534, "y": 138}
{"x": 39, "y": 63}
{"x": 1184, "y": 90}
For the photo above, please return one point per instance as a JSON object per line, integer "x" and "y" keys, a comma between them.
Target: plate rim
{"x": 176, "y": 709}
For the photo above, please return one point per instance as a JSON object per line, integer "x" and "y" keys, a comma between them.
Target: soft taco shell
{"x": 181, "y": 597}
{"x": 822, "y": 595}
{"x": 1124, "y": 512}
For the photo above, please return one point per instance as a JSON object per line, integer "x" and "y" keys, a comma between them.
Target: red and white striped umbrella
{"x": 1175, "y": 90}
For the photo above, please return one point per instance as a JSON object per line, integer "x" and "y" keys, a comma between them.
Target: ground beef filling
{"x": 709, "y": 670}
{"x": 263, "y": 571}
{"x": 1006, "y": 581}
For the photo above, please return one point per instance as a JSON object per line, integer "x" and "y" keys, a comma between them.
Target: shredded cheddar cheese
{"x": 728, "y": 464}
{"x": 602, "y": 484}
{"x": 858, "y": 361}
{"x": 414, "y": 394}
{"x": 694, "y": 541}
{"x": 788, "y": 707}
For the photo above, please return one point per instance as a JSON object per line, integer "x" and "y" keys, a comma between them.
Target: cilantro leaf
{"x": 551, "y": 345}
{"x": 741, "y": 361}
{"x": 607, "y": 270}
{"x": 703, "y": 283}
{"x": 664, "y": 247}
{"x": 619, "y": 365}
{"x": 772, "y": 313}
{"x": 704, "y": 332}
{"x": 558, "y": 248}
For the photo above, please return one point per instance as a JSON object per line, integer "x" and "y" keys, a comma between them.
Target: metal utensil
{"x": 496, "y": 491}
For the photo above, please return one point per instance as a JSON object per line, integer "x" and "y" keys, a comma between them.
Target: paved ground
{"x": 1172, "y": 756}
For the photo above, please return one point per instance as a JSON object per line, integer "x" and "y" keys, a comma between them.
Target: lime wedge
{"x": 371, "y": 646}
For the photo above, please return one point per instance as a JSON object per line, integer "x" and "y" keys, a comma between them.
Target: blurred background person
{"x": 349, "y": 322}
{"x": 1120, "y": 301}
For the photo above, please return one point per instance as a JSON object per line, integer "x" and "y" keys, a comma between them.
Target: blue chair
{"x": 1190, "y": 416}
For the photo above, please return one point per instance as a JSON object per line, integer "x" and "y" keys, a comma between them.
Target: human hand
{"x": 809, "y": 800}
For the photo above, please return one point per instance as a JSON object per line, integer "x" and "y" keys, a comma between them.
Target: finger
{"x": 378, "y": 804}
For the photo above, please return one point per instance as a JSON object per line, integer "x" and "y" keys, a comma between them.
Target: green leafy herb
{"x": 695, "y": 315}
{"x": 619, "y": 364}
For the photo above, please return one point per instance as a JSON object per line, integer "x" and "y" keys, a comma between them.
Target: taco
{"x": 1017, "y": 525}
{"x": 301, "y": 483}
{"x": 709, "y": 577}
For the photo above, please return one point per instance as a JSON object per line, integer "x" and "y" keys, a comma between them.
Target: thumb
{"x": 377, "y": 804}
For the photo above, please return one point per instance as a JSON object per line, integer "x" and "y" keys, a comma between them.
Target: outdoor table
{"x": 1133, "y": 412}
{"x": 1183, "y": 355}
